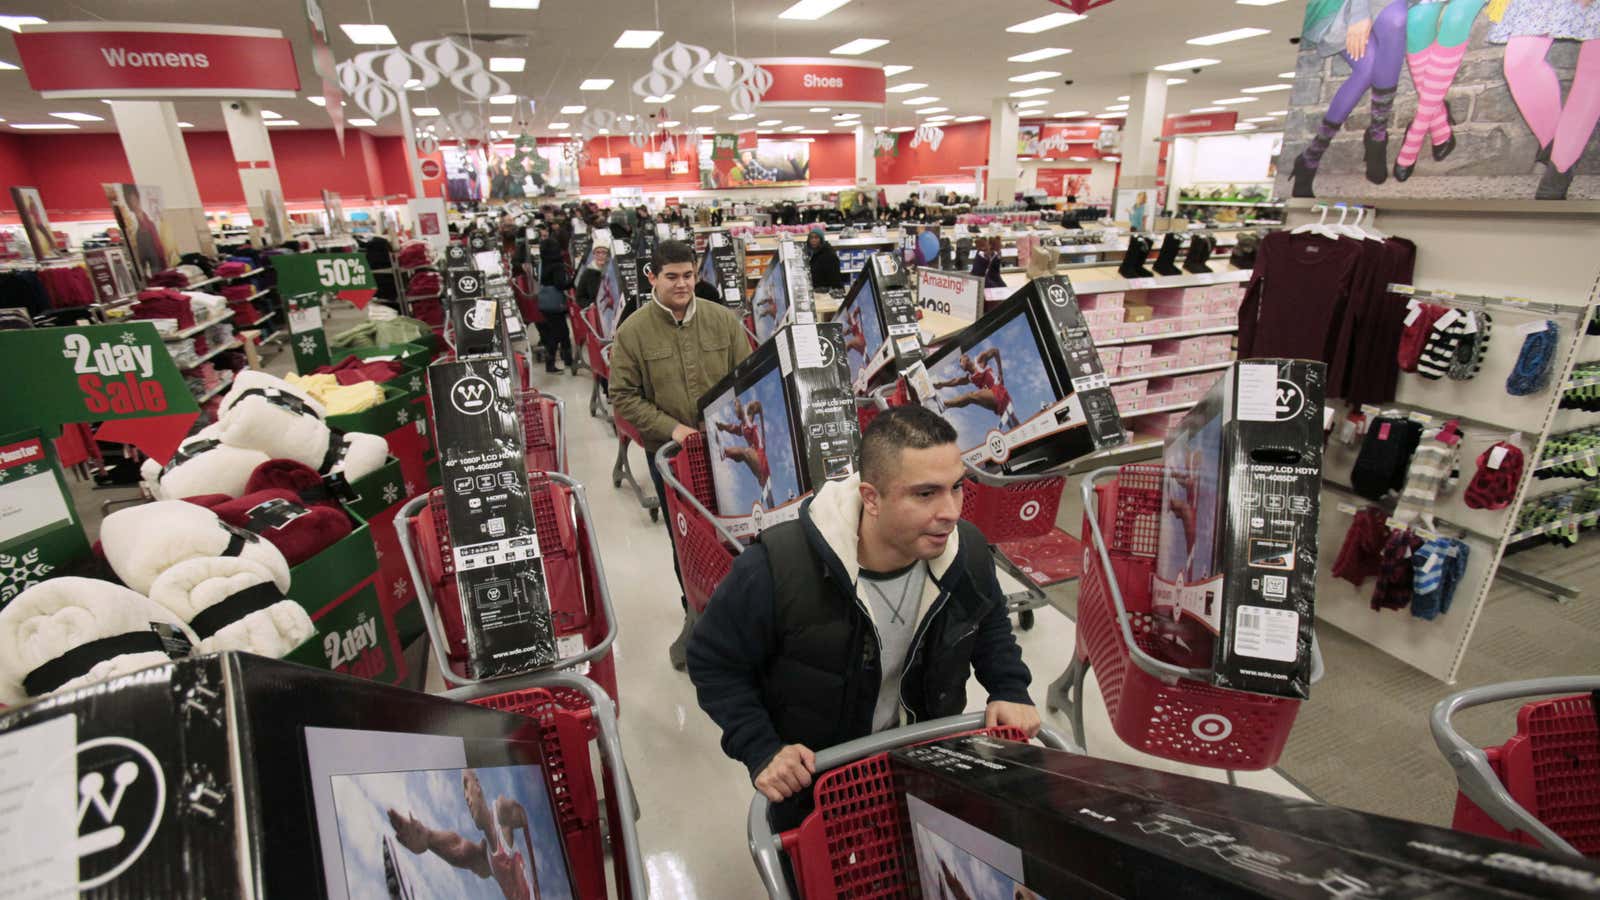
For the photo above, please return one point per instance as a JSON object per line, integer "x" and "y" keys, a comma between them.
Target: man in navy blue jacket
{"x": 866, "y": 613}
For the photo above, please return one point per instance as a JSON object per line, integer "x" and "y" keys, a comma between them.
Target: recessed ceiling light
{"x": 319, "y": 101}
{"x": 1034, "y": 76}
{"x": 931, "y": 110}
{"x": 413, "y": 84}
{"x": 636, "y": 39}
{"x": 368, "y": 34}
{"x": 1045, "y": 23}
{"x": 503, "y": 99}
{"x": 814, "y": 131}
{"x": 1033, "y": 92}
{"x": 1025, "y": 104}
{"x": 573, "y": 110}
{"x": 7, "y": 67}
{"x": 905, "y": 88}
{"x": 499, "y": 120}
{"x": 1277, "y": 112}
{"x": 1235, "y": 101}
{"x": 269, "y": 114}
{"x": 821, "y": 109}
{"x": 1180, "y": 65}
{"x": 706, "y": 108}
{"x": 969, "y": 118}
{"x": 281, "y": 122}
{"x": 513, "y": 4}
{"x": 595, "y": 84}
{"x": 15, "y": 23}
{"x": 1173, "y": 81}
{"x": 1261, "y": 119}
{"x": 628, "y": 118}
{"x": 944, "y": 118}
{"x": 792, "y": 128}
{"x": 1288, "y": 75}
{"x": 1037, "y": 55}
{"x": 848, "y": 116}
{"x": 892, "y": 71}
{"x": 1246, "y": 127}
{"x": 1078, "y": 158}
{"x": 879, "y": 129}
{"x": 1124, "y": 98}
{"x": 901, "y": 129}
{"x": 811, "y": 10}
{"x": 559, "y": 126}
{"x": 1117, "y": 107}
{"x": 46, "y": 126}
{"x": 78, "y": 117}
{"x": 768, "y": 123}
{"x": 919, "y": 101}
{"x": 185, "y": 124}
{"x": 1259, "y": 2}
{"x": 664, "y": 98}
{"x": 1209, "y": 109}
{"x": 705, "y": 129}
{"x": 425, "y": 111}
{"x": 1227, "y": 37}
{"x": 362, "y": 123}
{"x": 1108, "y": 115}
{"x": 1266, "y": 88}
{"x": 602, "y": 131}
{"x": 671, "y": 123}
{"x": 507, "y": 64}
{"x": 740, "y": 117}
{"x": 858, "y": 46}
{"x": 1072, "y": 114}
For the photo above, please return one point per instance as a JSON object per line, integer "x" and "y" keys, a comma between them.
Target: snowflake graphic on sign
{"x": 416, "y": 382}
{"x": 308, "y": 345}
{"x": 30, "y": 469}
{"x": 403, "y": 416}
{"x": 391, "y": 493}
{"x": 129, "y": 337}
{"x": 17, "y": 575}
{"x": 402, "y": 587}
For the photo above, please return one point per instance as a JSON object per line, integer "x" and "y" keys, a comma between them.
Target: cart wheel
{"x": 616, "y": 482}
{"x": 1025, "y": 620}
{"x": 655, "y": 514}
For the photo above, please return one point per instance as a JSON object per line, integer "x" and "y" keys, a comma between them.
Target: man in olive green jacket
{"x": 665, "y": 357}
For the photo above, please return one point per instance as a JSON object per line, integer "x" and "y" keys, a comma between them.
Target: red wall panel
{"x": 15, "y": 169}
{"x": 963, "y": 145}
{"x": 68, "y": 169}
{"x": 833, "y": 159}
{"x": 634, "y": 174}
{"x": 309, "y": 163}
{"x": 216, "y": 174}
{"x": 391, "y": 152}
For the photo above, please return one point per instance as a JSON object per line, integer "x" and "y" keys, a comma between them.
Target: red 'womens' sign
{"x": 806, "y": 82}
{"x": 156, "y": 60}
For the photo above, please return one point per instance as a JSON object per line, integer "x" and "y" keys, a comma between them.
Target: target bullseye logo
{"x": 683, "y": 525}
{"x": 1029, "y": 511}
{"x": 1211, "y": 727}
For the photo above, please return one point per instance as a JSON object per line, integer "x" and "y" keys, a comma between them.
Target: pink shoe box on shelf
{"x": 1184, "y": 351}
{"x": 1110, "y": 358}
{"x": 1153, "y": 366}
{"x": 1098, "y": 302}
{"x": 1178, "y": 303}
{"x": 1128, "y": 393}
{"x": 1160, "y": 325}
{"x": 1134, "y": 355}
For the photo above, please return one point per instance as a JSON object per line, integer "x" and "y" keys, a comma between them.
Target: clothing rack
{"x": 1489, "y": 304}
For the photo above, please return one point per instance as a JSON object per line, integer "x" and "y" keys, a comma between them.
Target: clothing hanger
{"x": 1367, "y": 231}
{"x": 1319, "y": 227}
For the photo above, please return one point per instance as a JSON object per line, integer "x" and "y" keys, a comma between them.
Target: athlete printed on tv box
{"x": 880, "y": 323}
{"x": 1023, "y": 386}
{"x": 753, "y": 456}
{"x": 770, "y": 304}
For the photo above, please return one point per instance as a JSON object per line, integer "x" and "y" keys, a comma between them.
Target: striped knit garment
{"x": 1433, "y": 70}
{"x": 1396, "y": 574}
{"x": 1434, "y": 467}
{"x": 1440, "y": 350}
{"x": 1470, "y": 352}
{"x": 1438, "y": 568}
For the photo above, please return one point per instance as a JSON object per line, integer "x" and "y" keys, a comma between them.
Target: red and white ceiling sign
{"x": 798, "y": 81}
{"x": 156, "y": 60}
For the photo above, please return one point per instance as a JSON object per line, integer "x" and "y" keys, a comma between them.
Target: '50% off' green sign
{"x": 344, "y": 274}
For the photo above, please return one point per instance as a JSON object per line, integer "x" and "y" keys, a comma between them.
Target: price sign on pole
{"x": 344, "y": 274}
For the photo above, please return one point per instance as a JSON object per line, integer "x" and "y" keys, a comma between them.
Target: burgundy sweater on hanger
{"x": 1296, "y": 300}
{"x": 1363, "y": 368}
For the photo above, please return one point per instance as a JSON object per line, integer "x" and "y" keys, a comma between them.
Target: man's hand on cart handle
{"x": 681, "y": 432}
{"x": 789, "y": 772}
{"x": 1020, "y": 715}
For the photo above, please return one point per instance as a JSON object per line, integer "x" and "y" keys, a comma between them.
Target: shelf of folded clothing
{"x": 232, "y": 344}
{"x": 226, "y": 383}
{"x": 199, "y": 284}
{"x": 256, "y": 271}
{"x": 257, "y": 295}
{"x": 197, "y": 328}
{"x": 1169, "y": 336}
{"x": 1172, "y": 373}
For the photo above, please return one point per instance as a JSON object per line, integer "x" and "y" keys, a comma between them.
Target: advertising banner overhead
{"x": 150, "y": 60}
{"x": 798, "y": 81}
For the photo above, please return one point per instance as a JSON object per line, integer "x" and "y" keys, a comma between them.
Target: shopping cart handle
{"x": 1474, "y": 775}
{"x": 765, "y": 845}
{"x": 663, "y": 455}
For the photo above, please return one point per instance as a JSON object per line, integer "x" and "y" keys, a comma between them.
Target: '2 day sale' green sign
{"x": 344, "y": 274}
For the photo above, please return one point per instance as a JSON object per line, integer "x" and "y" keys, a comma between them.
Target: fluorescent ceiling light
{"x": 413, "y": 84}
{"x": 1037, "y": 55}
{"x": 507, "y": 64}
{"x": 1180, "y": 65}
{"x": 1278, "y": 112}
{"x": 78, "y": 117}
{"x": 1288, "y": 75}
{"x": 602, "y": 131}
{"x": 740, "y": 117}
{"x": 1117, "y": 107}
{"x": 1025, "y": 104}
{"x": 664, "y": 98}
{"x": 595, "y": 84}
{"x": 637, "y": 39}
{"x": 15, "y": 23}
{"x": 1072, "y": 114}
{"x": 706, "y": 108}
{"x": 1040, "y": 75}
{"x": 629, "y": 117}
{"x": 362, "y": 123}
{"x": 503, "y": 99}
{"x": 1124, "y": 98}
{"x": 1045, "y": 23}
{"x": 499, "y": 120}
{"x": 811, "y": 10}
{"x": 513, "y": 4}
{"x": 425, "y": 111}
{"x": 559, "y": 126}
{"x": 919, "y": 101}
{"x": 706, "y": 129}
{"x": 793, "y": 127}
{"x": 368, "y": 34}
{"x": 932, "y": 109}
{"x": 269, "y": 114}
{"x": 1266, "y": 88}
{"x": 858, "y": 46}
{"x": 969, "y": 118}
{"x": 814, "y": 131}
{"x": 905, "y": 88}
{"x": 1033, "y": 92}
{"x": 1246, "y": 127}
{"x": 879, "y": 129}
{"x": 45, "y": 126}
{"x": 767, "y": 123}
{"x": 901, "y": 129}
{"x": 318, "y": 101}
{"x": 892, "y": 71}
{"x": 573, "y": 110}
{"x": 7, "y": 67}
{"x": 671, "y": 123}
{"x": 848, "y": 116}
{"x": 1209, "y": 109}
{"x": 1259, "y": 2}
{"x": 1262, "y": 119}
{"x": 281, "y": 122}
{"x": 1173, "y": 81}
{"x": 821, "y": 109}
{"x": 944, "y": 118}
{"x": 1235, "y": 101}
{"x": 1227, "y": 37}
{"x": 1108, "y": 115}
{"x": 180, "y": 124}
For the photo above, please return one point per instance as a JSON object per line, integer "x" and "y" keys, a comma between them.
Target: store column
{"x": 258, "y": 170}
{"x": 1004, "y": 170}
{"x": 1147, "y": 110}
{"x": 153, "y": 144}
{"x": 866, "y": 160}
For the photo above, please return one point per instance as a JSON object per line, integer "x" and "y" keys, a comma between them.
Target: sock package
{"x": 1385, "y": 455}
{"x": 1360, "y": 557}
{"x": 1433, "y": 468}
{"x": 1474, "y": 344}
{"x": 1531, "y": 373}
{"x": 1396, "y": 573}
{"x": 1437, "y": 569}
{"x": 1499, "y": 472}
{"x": 1419, "y": 324}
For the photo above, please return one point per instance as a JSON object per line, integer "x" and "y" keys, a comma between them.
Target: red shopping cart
{"x": 1155, "y": 707}
{"x": 1541, "y": 787}
{"x": 705, "y": 549}
{"x": 572, "y": 712}
{"x": 580, "y": 335}
{"x": 580, "y": 602}
{"x": 544, "y": 431}
{"x": 856, "y": 842}
{"x": 600, "y": 407}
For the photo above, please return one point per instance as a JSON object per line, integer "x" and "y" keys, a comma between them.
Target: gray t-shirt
{"x": 894, "y": 598}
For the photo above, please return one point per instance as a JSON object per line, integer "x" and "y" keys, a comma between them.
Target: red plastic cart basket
{"x": 1541, "y": 787}
{"x": 1155, "y": 707}
{"x": 600, "y": 407}
{"x": 856, "y": 842}
{"x": 573, "y": 711}
{"x": 580, "y": 602}
{"x": 704, "y": 548}
{"x": 544, "y": 432}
